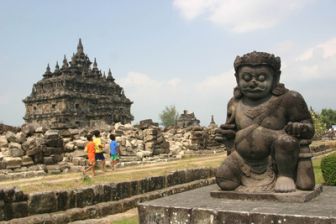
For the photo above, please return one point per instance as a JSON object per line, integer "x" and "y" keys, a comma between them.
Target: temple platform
{"x": 199, "y": 207}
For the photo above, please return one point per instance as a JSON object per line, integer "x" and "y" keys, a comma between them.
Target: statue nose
{"x": 253, "y": 83}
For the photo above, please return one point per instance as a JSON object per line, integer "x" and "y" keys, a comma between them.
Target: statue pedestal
{"x": 297, "y": 196}
{"x": 198, "y": 207}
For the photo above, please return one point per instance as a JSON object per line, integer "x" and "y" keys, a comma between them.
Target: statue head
{"x": 257, "y": 74}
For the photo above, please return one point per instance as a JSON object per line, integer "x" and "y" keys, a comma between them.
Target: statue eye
{"x": 261, "y": 77}
{"x": 247, "y": 77}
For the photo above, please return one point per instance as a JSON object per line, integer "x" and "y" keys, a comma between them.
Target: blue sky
{"x": 177, "y": 52}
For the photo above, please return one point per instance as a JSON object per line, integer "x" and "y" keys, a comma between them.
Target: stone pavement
{"x": 197, "y": 206}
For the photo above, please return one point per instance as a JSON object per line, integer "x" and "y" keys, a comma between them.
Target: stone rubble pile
{"x": 26, "y": 149}
{"x": 54, "y": 151}
{"x": 193, "y": 138}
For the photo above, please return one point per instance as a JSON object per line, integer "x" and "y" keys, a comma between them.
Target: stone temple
{"x": 77, "y": 95}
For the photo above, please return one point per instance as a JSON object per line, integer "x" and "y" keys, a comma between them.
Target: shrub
{"x": 328, "y": 168}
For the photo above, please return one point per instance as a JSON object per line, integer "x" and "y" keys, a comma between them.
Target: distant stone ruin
{"x": 77, "y": 95}
{"x": 187, "y": 119}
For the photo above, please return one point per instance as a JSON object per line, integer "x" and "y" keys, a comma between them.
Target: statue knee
{"x": 286, "y": 143}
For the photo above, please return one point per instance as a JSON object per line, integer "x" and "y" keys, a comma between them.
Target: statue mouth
{"x": 254, "y": 90}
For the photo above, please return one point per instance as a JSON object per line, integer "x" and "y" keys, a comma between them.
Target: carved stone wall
{"x": 77, "y": 95}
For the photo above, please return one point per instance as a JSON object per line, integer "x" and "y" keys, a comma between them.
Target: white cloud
{"x": 217, "y": 83}
{"x": 239, "y": 16}
{"x": 174, "y": 83}
{"x": 193, "y": 8}
{"x": 206, "y": 97}
{"x": 317, "y": 62}
{"x": 140, "y": 80}
{"x": 326, "y": 50}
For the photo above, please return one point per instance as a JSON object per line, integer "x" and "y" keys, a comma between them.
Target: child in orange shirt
{"x": 90, "y": 146}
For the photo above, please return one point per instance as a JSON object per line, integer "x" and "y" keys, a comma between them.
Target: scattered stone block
{"x": 11, "y": 136}
{"x": 48, "y": 160}
{"x": 15, "y": 150}
{"x": 3, "y": 141}
{"x": 20, "y": 137}
{"x": 12, "y": 162}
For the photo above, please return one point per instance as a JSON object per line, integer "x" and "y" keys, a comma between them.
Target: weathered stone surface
{"x": 123, "y": 190}
{"x": 40, "y": 129}
{"x": 3, "y": 141}
{"x": 34, "y": 151}
{"x": 15, "y": 150}
{"x": 2, "y": 210}
{"x": 197, "y": 206}
{"x": 19, "y": 209}
{"x": 54, "y": 143}
{"x": 177, "y": 177}
{"x": 20, "y": 137}
{"x": 42, "y": 202}
{"x": 69, "y": 147}
{"x": 62, "y": 200}
{"x": 28, "y": 129}
{"x": 48, "y": 160}
{"x": 12, "y": 162}
{"x": 27, "y": 161}
{"x": 52, "y": 134}
{"x": 84, "y": 197}
{"x": 80, "y": 143}
{"x": 11, "y": 136}
{"x": 47, "y": 151}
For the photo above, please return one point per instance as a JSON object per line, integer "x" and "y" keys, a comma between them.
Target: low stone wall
{"x": 322, "y": 146}
{"x": 15, "y": 204}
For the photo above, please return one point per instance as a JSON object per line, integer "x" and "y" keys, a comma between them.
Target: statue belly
{"x": 254, "y": 143}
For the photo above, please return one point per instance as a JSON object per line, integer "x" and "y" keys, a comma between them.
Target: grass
{"x": 317, "y": 170}
{"x": 76, "y": 180}
{"x": 131, "y": 220}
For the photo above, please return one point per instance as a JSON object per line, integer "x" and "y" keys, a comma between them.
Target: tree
{"x": 169, "y": 116}
{"x": 319, "y": 125}
{"x": 328, "y": 116}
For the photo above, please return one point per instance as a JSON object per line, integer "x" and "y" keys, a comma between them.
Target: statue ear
{"x": 237, "y": 93}
{"x": 276, "y": 78}
{"x": 237, "y": 79}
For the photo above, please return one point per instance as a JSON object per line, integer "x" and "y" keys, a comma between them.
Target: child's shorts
{"x": 114, "y": 157}
{"x": 100, "y": 156}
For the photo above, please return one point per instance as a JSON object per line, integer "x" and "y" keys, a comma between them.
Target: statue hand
{"x": 223, "y": 134}
{"x": 296, "y": 129}
{"x": 226, "y": 133}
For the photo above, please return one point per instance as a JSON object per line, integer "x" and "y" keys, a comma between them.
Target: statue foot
{"x": 284, "y": 184}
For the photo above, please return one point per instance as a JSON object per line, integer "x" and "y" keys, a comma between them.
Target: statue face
{"x": 255, "y": 82}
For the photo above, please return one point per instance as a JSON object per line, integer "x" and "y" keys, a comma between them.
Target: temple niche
{"x": 77, "y": 95}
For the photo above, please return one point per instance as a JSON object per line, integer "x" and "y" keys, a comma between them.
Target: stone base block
{"x": 297, "y": 196}
{"x": 198, "y": 207}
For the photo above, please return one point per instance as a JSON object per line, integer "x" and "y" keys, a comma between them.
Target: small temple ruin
{"x": 187, "y": 119}
{"x": 77, "y": 95}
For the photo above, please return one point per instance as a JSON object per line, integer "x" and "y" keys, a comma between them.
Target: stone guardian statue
{"x": 269, "y": 129}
